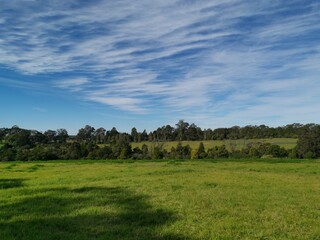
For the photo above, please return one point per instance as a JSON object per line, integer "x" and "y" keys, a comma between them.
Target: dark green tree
{"x": 181, "y": 129}
{"x": 61, "y": 135}
{"x": 50, "y": 136}
{"x": 85, "y": 134}
{"x": 100, "y": 135}
{"x": 134, "y": 134}
{"x": 201, "y": 153}
{"x": 308, "y": 145}
{"x": 145, "y": 151}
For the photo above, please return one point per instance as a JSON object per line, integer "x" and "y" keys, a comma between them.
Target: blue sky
{"x": 217, "y": 63}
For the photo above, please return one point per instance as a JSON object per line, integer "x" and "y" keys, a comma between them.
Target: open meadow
{"x": 287, "y": 143}
{"x": 221, "y": 199}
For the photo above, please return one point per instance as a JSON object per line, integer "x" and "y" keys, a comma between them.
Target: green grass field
{"x": 222, "y": 199}
{"x": 287, "y": 143}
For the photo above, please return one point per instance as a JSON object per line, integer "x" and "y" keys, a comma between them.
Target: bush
{"x": 293, "y": 153}
{"x": 309, "y": 155}
{"x": 218, "y": 152}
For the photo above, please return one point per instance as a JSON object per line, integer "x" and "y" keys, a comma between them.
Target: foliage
{"x": 25, "y": 145}
{"x": 201, "y": 153}
{"x": 308, "y": 145}
{"x": 218, "y": 152}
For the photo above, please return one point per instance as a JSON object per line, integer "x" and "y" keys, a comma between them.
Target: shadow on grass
{"x": 84, "y": 213}
{"x": 11, "y": 183}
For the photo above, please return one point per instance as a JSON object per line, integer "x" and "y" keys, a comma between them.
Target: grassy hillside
{"x": 227, "y": 199}
{"x": 287, "y": 143}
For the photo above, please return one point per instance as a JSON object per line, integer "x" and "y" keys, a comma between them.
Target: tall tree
{"x": 134, "y": 134}
{"x": 201, "y": 153}
{"x": 61, "y": 135}
{"x": 100, "y": 135}
{"x": 50, "y": 135}
{"x": 309, "y": 141}
{"x": 181, "y": 129}
{"x": 85, "y": 134}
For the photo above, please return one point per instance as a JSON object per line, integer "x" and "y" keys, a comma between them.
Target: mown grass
{"x": 287, "y": 143}
{"x": 221, "y": 199}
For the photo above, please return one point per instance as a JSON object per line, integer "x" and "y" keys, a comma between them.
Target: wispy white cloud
{"x": 206, "y": 60}
{"x": 20, "y": 83}
{"x": 39, "y": 109}
{"x": 73, "y": 84}
{"x": 124, "y": 103}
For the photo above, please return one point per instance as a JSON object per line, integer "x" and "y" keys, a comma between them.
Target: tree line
{"x": 90, "y": 143}
{"x": 183, "y": 131}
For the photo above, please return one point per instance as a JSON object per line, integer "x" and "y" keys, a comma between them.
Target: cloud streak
{"x": 73, "y": 85}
